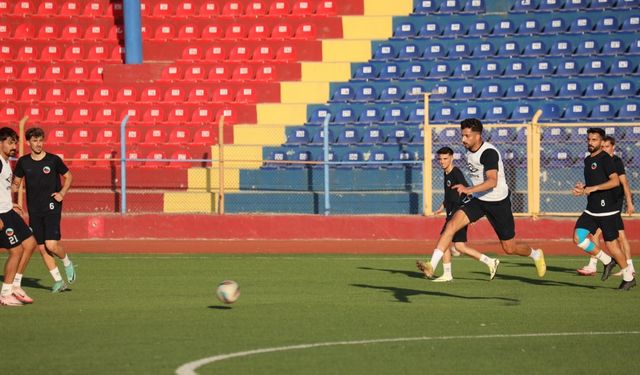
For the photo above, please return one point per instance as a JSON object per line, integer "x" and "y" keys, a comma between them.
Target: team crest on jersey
{"x": 9, "y": 232}
{"x": 448, "y": 183}
{"x": 46, "y": 170}
{"x": 471, "y": 168}
{"x": 594, "y": 165}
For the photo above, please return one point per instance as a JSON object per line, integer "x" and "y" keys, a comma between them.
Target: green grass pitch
{"x": 151, "y": 314}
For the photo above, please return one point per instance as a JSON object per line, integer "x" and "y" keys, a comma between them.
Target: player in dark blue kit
{"x": 452, "y": 201}
{"x": 41, "y": 171}
{"x": 601, "y": 181}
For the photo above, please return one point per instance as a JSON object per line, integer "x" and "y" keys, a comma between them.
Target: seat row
{"x": 571, "y": 5}
{"x": 449, "y": 6}
{"x": 52, "y": 52}
{"x": 70, "y": 71}
{"x": 108, "y": 157}
{"x": 84, "y": 135}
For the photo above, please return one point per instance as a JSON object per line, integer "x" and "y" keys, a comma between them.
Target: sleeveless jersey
{"x": 484, "y": 159}
{"x": 6, "y": 177}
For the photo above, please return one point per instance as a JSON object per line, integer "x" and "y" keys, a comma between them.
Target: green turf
{"x": 149, "y": 314}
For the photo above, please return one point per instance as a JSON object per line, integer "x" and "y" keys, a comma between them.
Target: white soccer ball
{"x": 228, "y": 291}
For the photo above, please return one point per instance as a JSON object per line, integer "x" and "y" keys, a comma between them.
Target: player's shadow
{"x": 403, "y": 295}
{"x": 412, "y": 274}
{"x": 546, "y": 281}
{"x": 30, "y": 282}
{"x": 218, "y": 307}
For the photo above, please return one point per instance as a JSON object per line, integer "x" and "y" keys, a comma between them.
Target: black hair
{"x": 7, "y": 132}
{"x": 34, "y": 133}
{"x": 471, "y": 123}
{"x": 598, "y": 131}
{"x": 445, "y": 151}
{"x": 610, "y": 139}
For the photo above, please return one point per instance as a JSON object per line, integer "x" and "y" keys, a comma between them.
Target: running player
{"x": 490, "y": 198}
{"x": 601, "y": 181}
{"x": 15, "y": 235}
{"x": 623, "y": 194}
{"x": 452, "y": 201}
{"x": 41, "y": 171}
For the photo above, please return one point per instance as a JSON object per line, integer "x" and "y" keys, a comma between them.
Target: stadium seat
{"x": 502, "y": 135}
{"x": 479, "y": 28}
{"x": 445, "y": 114}
{"x": 542, "y": 68}
{"x": 48, "y": 8}
{"x": 153, "y": 115}
{"x": 365, "y": 71}
{"x": 597, "y": 89}
{"x": 430, "y": 29}
{"x": 576, "y": 111}
{"x": 351, "y": 159}
{"x": 150, "y": 94}
{"x": 279, "y": 8}
{"x": 195, "y": 73}
{"x": 266, "y": 73}
{"x": 405, "y": 30}
{"x": 80, "y": 94}
{"x": 55, "y": 95}
{"x": 24, "y": 7}
{"x": 178, "y": 114}
{"x": 209, "y": 8}
{"x": 385, "y": 51}
{"x": 603, "y": 111}
{"x": 450, "y": 6}
{"x": 343, "y": 93}
{"x": 29, "y": 94}
{"x": 204, "y": 136}
{"x": 435, "y": 51}
{"x": 282, "y": 30}
{"x": 614, "y": 47}
{"x": 223, "y": 94}
{"x": 570, "y": 89}
{"x": 105, "y": 115}
{"x": 126, "y": 95}
{"x": 504, "y": 27}
{"x": 409, "y": 51}
{"x": 50, "y": 53}
{"x": 440, "y": 70}
{"x": 263, "y": 53}
{"x": 256, "y": 8}
{"x": 550, "y": 5}
{"x": 156, "y": 159}
{"x": 568, "y": 68}
{"x": 219, "y": 73}
{"x": 466, "y": 91}
{"x": 198, "y": 94}
{"x": 391, "y": 93}
{"x": 103, "y": 94}
{"x": 454, "y": 29}
{"x": 24, "y": 31}
{"x": 373, "y": 135}
{"x": 36, "y": 113}
{"x": 390, "y": 71}
{"x": 370, "y": 115}
{"x": 426, "y": 6}
{"x": 298, "y": 136}
{"x": 555, "y": 26}
{"x": 193, "y": 53}
{"x": 509, "y": 49}
{"x": 535, "y": 48}
{"x": 529, "y": 27}
{"x": 517, "y": 90}
{"x": 558, "y": 159}
{"x": 348, "y": 136}
{"x": 81, "y": 135}
{"x": 442, "y": 91}
{"x": 522, "y": 112}
{"x": 543, "y": 90}
{"x": 365, "y": 93}
{"x": 399, "y": 135}
{"x": 474, "y": 6}
{"x": 595, "y": 67}
{"x": 515, "y": 68}
{"x": 576, "y": 4}
{"x": 259, "y": 31}
{"x": 27, "y": 53}
{"x": 302, "y": 8}
{"x": 525, "y": 5}
{"x": 414, "y": 71}
{"x": 491, "y": 91}
{"x": 459, "y": 50}
{"x": 607, "y": 24}
{"x": 629, "y": 110}
{"x": 624, "y": 88}
{"x": 286, "y": 53}
{"x": 107, "y": 136}
{"x": 318, "y": 137}
{"x": 236, "y": 31}
{"x": 187, "y": 32}
{"x": 588, "y": 47}
{"x": 174, "y": 95}
{"x": 202, "y": 116}
{"x": 246, "y": 95}
{"x": 632, "y": 23}
{"x": 211, "y": 32}
{"x": 602, "y": 4}
{"x": 327, "y": 8}
{"x": 484, "y": 49}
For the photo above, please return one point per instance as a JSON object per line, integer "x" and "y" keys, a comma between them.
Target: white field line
{"x": 288, "y": 257}
{"x": 191, "y": 367}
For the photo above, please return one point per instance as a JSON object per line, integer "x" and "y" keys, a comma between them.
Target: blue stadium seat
{"x": 459, "y": 50}
{"x": 298, "y": 136}
{"x": 530, "y": 26}
{"x": 370, "y": 114}
{"x": 484, "y": 49}
{"x": 543, "y": 90}
{"x": 472, "y": 111}
{"x": 558, "y": 159}
{"x": 318, "y": 115}
{"x": 550, "y": 5}
{"x": 275, "y": 160}
{"x": 440, "y": 70}
{"x": 414, "y": 70}
{"x": 550, "y": 111}
{"x": 522, "y": 112}
{"x": 466, "y": 91}
{"x": 597, "y": 89}
{"x": 504, "y": 27}
{"x": 491, "y": 90}
{"x": 497, "y": 113}
{"x": 426, "y": 6}
{"x": 442, "y": 91}
{"x": 555, "y": 26}
{"x": 391, "y": 93}
{"x": 390, "y": 71}
{"x": 576, "y": 4}
{"x": 366, "y": 93}
{"x": 465, "y": 69}
{"x": 479, "y": 28}
{"x": 446, "y": 113}
{"x": 450, "y": 6}
{"x": 414, "y": 93}
{"x": 570, "y": 89}
{"x": 632, "y": 23}
{"x": 350, "y": 160}
{"x": 378, "y": 159}
{"x": 394, "y": 114}
{"x": 633, "y": 134}
{"x": 516, "y": 68}
{"x": 602, "y": 4}
{"x": 434, "y": 51}
{"x": 622, "y": 66}
{"x": 535, "y": 48}
{"x": 568, "y": 68}
{"x": 399, "y": 135}
{"x": 576, "y": 111}
{"x": 603, "y": 111}
{"x": 449, "y": 136}
{"x": 634, "y": 48}
{"x": 509, "y": 48}
{"x": 607, "y": 24}
{"x": 366, "y": 71}
{"x": 409, "y": 51}
{"x": 614, "y": 47}
{"x": 343, "y": 93}
{"x": 627, "y": 3}
{"x": 320, "y": 157}
{"x": 502, "y": 135}
{"x": 373, "y": 135}
{"x": 385, "y": 51}
{"x": 595, "y": 67}
{"x": 561, "y": 47}
{"x": 525, "y": 5}
{"x": 517, "y": 90}
{"x": 588, "y": 47}
{"x": 454, "y": 29}
{"x": 348, "y": 136}
{"x": 474, "y": 6}
{"x": 542, "y": 68}
{"x": 318, "y": 137}
{"x": 490, "y": 68}
{"x": 405, "y": 30}
{"x": 630, "y": 110}
{"x": 416, "y": 115}
{"x": 624, "y": 88}
{"x": 430, "y": 29}
{"x": 417, "y": 139}
{"x": 345, "y": 116}
{"x": 554, "y": 134}
{"x": 301, "y": 157}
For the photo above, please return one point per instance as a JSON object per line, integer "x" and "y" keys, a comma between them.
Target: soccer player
{"x": 41, "y": 171}
{"x": 623, "y": 194}
{"x": 452, "y": 201}
{"x": 15, "y": 235}
{"x": 601, "y": 181}
{"x": 490, "y": 198}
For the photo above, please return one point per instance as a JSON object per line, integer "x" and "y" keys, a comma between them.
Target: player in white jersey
{"x": 15, "y": 235}
{"x": 490, "y": 198}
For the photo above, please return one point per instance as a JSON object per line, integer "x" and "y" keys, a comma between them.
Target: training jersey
{"x": 42, "y": 178}
{"x": 619, "y": 167}
{"x": 6, "y": 177}
{"x": 597, "y": 170}
{"x": 487, "y": 158}
{"x": 453, "y": 199}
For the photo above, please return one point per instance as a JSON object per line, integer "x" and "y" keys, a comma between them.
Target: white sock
{"x": 485, "y": 259}
{"x": 447, "y": 268}
{"x": 535, "y": 254}
{"x": 627, "y": 275}
{"x": 435, "y": 258}
{"x": 6, "y": 289}
{"x": 66, "y": 261}
{"x": 55, "y": 273}
{"x": 593, "y": 263}
{"x": 17, "y": 281}
{"x": 603, "y": 257}
{"x": 630, "y": 263}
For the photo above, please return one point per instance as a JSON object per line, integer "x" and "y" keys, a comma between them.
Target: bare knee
{"x": 508, "y": 247}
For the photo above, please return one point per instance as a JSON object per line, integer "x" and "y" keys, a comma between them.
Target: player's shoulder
{"x": 24, "y": 158}
{"x": 52, "y": 156}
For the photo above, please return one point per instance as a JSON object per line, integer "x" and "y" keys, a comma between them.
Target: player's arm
{"x": 490, "y": 161}
{"x": 15, "y": 184}
{"x": 627, "y": 193}
{"x": 614, "y": 181}
{"x": 439, "y": 210}
{"x": 68, "y": 178}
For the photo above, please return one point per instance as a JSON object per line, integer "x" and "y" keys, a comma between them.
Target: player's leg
{"x": 592, "y": 267}
{"x": 585, "y": 227}
{"x": 10, "y": 268}
{"x": 624, "y": 242}
{"x": 28, "y": 246}
{"x": 492, "y": 263}
{"x": 610, "y": 233}
{"x": 446, "y": 268}
{"x": 38, "y": 227}
{"x": 52, "y": 243}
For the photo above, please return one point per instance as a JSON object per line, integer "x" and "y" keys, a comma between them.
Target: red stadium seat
{"x": 117, "y": 54}
{"x": 8, "y": 93}
{"x": 302, "y": 8}
{"x": 179, "y": 135}
{"x": 174, "y": 95}
{"x": 156, "y": 159}
{"x": 24, "y": 7}
{"x": 145, "y": 9}
{"x": 150, "y": 94}
{"x": 307, "y": 31}
{"x": 53, "y": 73}
{"x": 70, "y": 32}
{"x": 81, "y": 135}
{"x": 232, "y": 8}
{"x": 81, "y": 159}
{"x": 195, "y": 73}
{"x": 165, "y": 32}
{"x": 78, "y": 73}
{"x": 222, "y": 94}
{"x": 282, "y": 31}
{"x": 198, "y": 94}
{"x": 6, "y": 52}
{"x": 202, "y": 116}
{"x": 82, "y": 114}
{"x": 266, "y": 73}
{"x": 162, "y": 9}
{"x": 170, "y": 73}
{"x": 107, "y": 157}
{"x": 153, "y": 115}
{"x": 30, "y": 94}
{"x": 186, "y": 8}
{"x": 27, "y": 53}
{"x": 115, "y": 9}
{"x": 94, "y": 8}
{"x": 215, "y": 53}
{"x": 327, "y": 8}
{"x": 50, "y": 53}
{"x": 48, "y": 31}
{"x": 192, "y": 53}
{"x": 243, "y": 72}
{"x": 133, "y": 135}
{"x": 47, "y": 8}
{"x": 105, "y": 115}
{"x": 31, "y": 72}
{"x": 8, "y": 113}
{"x": 96, "y": 73}
{"x": 209, "y": 8}
{"x": 263, "y": 53}
{"x": 74, "y": 53}
{"x": 57, "y": 136}
{"x": 256, "y": 8}
{"x": 103, "y": 94}
{"x": 180, "y": 159}
{"x": 8, "y": 72}
{"x": 286, "y": 53}
{"x": 57, "y": 114}
{"x": 35, "y": 113}
{"x": 126, "y": 95}
{"x": 246, "y": 95}
{"x": 5, "y": 30}
{"x": 210, "y": 32}
{"x": 116, "y": 32}
{"x": 95, "y": 32}
{"x": 71, "y": 8}
{"x": 230, "y": 116}
{"x": 259, "y": 31}
{"x": 24, "y": 31}
{"x": 188, "y": 32}
{"x": 279, "y": 8}
{"x": 134, "y": 115}
{"x": 236, "y": 31}
{"x": 178, "y": 115}
{"x": 219, "y": 73}
{"x": 204, "y": 136}
{"x": 79, "y": 94}
{"x": 240, "y": 53}
{"x": 155, "y": 136}
{"x": 98, "y": 53}
{"x": 55, "y": 94}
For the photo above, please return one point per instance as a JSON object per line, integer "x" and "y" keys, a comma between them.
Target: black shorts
{"x": 459, "y": 236}
{"x": 14, "y": 230}
{"x": 45, "y": 227}
{"x": 498, "y": 213}
{"x": 620, "y": 222}
{"x": 607, "y": 224}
